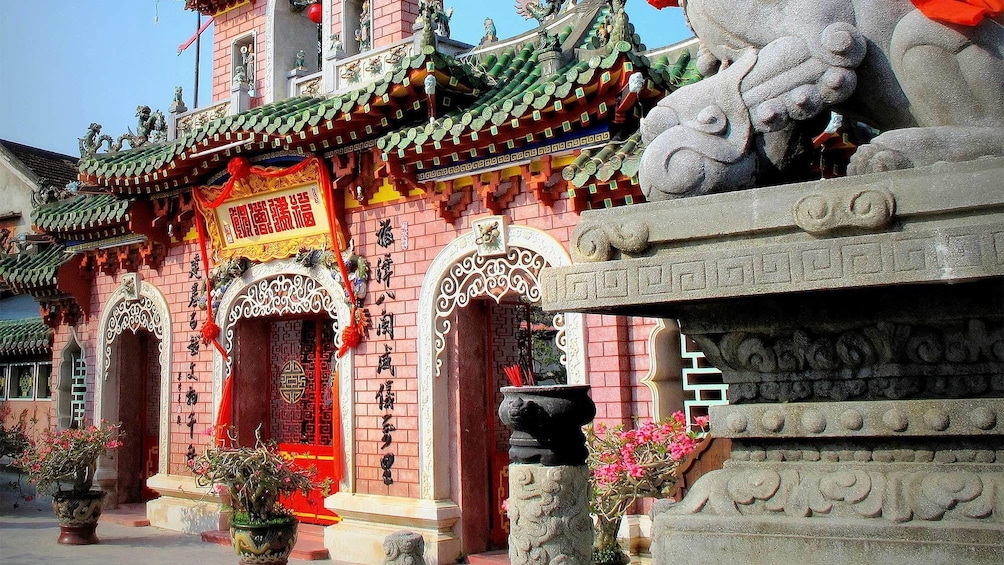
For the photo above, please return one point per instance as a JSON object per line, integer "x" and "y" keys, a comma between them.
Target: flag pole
{"x": 198, "y": 50}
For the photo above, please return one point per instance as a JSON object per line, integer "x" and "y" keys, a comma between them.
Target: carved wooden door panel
{"x": 301, "y": 405}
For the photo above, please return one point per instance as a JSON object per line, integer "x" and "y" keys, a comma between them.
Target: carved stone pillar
{"x": 548, "y": 476}
{"x": 859, "y": 323}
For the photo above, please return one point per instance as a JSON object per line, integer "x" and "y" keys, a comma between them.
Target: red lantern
{"x": 660, "y": 4}
{"x": 314, "y": 12}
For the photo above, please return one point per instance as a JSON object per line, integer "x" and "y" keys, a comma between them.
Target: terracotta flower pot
{"x": 546, "y": 423}
{"x": 78, "y": 515}
{"x": 268, "y": 544}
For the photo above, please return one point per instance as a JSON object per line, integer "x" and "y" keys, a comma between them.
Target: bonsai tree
{"x": 255, "y": 478}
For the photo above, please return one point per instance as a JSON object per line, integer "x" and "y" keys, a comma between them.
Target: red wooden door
{"x": 302, "y": 407}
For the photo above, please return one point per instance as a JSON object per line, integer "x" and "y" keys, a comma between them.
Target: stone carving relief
{"x": 882, "y": 360}
{"x": 195, "y": 119}
{"x": 595, "y": 241}
{"x": 772, "y": 67}
{"x": 549, "y": 516}
{"x": 823, "y": 212}
{"x": 404, "y": 548}
{"x": 944, "y": 493}
{"x": 939, "y": 417}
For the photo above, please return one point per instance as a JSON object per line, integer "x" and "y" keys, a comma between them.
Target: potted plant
{"x": 626, "y": 465}
{"x": 254, "y": 480}
{"x": 68, "y": 458}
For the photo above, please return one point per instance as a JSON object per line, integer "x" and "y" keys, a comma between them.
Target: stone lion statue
{"x": 935, "y": 88}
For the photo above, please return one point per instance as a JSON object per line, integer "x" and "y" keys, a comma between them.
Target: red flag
{"x": 192, "y": 39}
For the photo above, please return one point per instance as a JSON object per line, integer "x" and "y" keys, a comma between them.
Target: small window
{"x": 3, "y": 382}
{"x": 22, "y": 382}
{"x": 43, "y": 381}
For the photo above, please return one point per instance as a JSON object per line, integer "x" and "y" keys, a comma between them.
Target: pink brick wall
{"x": 227, "y": 27}
{"x": 173, "y": 281}
{"x": 615, "y": 346}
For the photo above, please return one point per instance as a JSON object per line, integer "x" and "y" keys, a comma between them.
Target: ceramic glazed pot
{"x": 268, "y": 544}
{"x": 78, "y": 515}
{"x": 546, "y": 423}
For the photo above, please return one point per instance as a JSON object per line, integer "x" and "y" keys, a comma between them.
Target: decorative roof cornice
{"x": 214, "y": 7}
{"x": 307, "y": 124}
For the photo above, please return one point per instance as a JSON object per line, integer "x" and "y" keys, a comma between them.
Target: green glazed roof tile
{"x": 33, "y": 271}
{"x": 28, "y": 336}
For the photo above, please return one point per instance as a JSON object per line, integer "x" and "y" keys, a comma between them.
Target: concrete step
{"x": 309, "y": 542}
{"x": 500, "y": 557}
{"x": 132, "y": 515}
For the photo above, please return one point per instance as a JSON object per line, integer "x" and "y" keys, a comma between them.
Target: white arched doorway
{"x": 285, "y": 288}
{"x": 456, "y": 276}
{"x": 135, "y": 306}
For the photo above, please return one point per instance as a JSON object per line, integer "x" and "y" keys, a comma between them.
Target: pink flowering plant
{"x": 626, "y": 465}
{"x": 255, "y": 478}
{"x": 68, "y": 457}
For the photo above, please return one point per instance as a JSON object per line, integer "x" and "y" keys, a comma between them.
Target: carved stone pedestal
{"x": 859, "y": 323}
{"x": 549, "y": 519}
{"x": 549, "y": 514}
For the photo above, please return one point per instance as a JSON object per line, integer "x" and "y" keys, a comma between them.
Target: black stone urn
{"x": 546, "y": 423}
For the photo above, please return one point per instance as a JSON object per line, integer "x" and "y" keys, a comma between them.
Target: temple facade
{"x": 342, "y": 253}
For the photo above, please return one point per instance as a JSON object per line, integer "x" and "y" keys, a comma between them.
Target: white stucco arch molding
{"x": 287, "y": 288}
{"x": 456, "y": 276}
{"x": 135, "y": 305}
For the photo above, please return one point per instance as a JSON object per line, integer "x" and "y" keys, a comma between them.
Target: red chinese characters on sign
{"x": 279, "y": 209}
{"x": 303, "y": 214}
{"x": 259, "y": 217}
{"x": 271, "y": 216}
{"x": 241, "y": 221}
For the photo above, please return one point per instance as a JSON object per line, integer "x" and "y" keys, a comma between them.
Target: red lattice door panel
{"x": 302, "y": 406}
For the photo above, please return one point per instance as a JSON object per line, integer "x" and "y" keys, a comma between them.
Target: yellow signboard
{"x": 265, "y": 218}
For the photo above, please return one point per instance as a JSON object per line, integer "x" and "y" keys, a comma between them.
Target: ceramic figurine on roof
{"x": 93, "y": 140}
{"x": 540, "y": 10}
{"x": 491, "y": 34}
{"x": 783, "y": 64}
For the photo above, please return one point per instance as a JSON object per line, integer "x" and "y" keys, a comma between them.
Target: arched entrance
{"x": 477, "y": 295}
{"x": 280, "y": 324}
{"x": 131, "y": 384}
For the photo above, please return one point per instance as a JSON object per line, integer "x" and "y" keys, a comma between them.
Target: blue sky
{"x": 67, "y": 63}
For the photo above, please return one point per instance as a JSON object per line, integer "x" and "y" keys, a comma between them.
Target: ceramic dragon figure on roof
{"x": 540, "y": 10}
{"x": 932, "y": 80}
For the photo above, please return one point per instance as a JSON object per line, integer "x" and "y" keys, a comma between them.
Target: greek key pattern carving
{"x": 925, "y": 418}
{"x": 949, "y": 493}
{"x": 766, "y": 267}
{"x": 549, "y": 515}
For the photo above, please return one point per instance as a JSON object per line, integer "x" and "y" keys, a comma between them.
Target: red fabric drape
{"x": 239, "y": 169}
{"x": 960, "y": 12}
